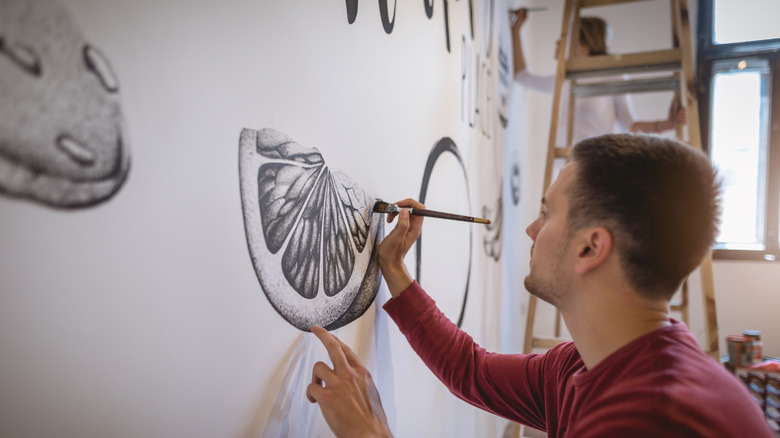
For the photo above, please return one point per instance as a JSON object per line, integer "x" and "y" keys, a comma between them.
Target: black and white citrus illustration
{"x": 61, "y": 136}
{"x": 310, "y": 230}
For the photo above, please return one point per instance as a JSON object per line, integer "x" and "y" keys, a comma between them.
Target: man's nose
{"x": 532, "y": 229}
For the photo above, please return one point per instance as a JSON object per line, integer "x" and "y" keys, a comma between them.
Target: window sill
{"x": 747, "y": 255}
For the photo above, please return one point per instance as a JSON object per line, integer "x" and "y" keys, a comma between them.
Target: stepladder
{"x": 579, "y": 77}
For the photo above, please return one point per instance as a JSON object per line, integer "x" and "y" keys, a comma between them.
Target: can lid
{"x": 752, "y": 333}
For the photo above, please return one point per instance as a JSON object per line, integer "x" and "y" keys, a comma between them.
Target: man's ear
{"x": 594, "y": 247}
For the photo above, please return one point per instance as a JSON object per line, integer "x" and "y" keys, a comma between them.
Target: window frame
{"x": 709, "y": 53}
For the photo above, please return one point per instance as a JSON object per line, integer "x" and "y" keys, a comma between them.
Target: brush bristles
{"x": 380, "y": 206}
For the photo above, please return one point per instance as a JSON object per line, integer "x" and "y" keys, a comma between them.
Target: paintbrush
{"x": 381, "y": 206}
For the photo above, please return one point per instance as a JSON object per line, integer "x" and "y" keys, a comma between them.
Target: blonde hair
{"x": 594, "y": 33}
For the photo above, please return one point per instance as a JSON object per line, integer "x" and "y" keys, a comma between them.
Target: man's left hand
{"x": 346, "y": 394}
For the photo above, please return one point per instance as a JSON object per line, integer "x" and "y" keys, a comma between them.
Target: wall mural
{"x": 389, "y": 22}
{"x": 514, "y": 182}
{"x": 310, "y": 229}
{"x": 296, "y": 206}
{"x": 444, "y": 146}
{"x": 61, "y": 136}
{"x": 477, "y": 104}
{"x": 492, "y": 240}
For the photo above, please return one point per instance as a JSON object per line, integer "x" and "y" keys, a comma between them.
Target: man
{"x": 621, "y": 227}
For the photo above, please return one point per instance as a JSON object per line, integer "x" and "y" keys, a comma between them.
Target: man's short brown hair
{"x": 659, "y": 198}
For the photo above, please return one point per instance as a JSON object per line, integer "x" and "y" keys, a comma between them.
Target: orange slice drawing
{"x": 310, "y": 230}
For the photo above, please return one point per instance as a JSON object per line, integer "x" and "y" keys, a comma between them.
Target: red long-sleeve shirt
{"x": 659, "y": 385}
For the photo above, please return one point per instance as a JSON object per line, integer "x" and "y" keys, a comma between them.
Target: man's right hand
{"x": 518, "y": 18}
{"x": 395, "y": 245}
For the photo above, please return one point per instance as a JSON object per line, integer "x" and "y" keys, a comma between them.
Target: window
{"x": 739, "y": 74}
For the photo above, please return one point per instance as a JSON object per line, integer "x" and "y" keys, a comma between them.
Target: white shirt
{"x": 593, "y": 115}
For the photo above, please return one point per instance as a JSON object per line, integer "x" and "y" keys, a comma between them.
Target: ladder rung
{"x": 592, "y": 3}
{"x": 562, "y": 152}
{"x": 589, "y": 66}
{"x": 547, "y": 343}
{"x": 623, "y": 87}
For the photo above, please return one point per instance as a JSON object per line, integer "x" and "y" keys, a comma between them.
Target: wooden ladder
{"x": 676, "y": 70}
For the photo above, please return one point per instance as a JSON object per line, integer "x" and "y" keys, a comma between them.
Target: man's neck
{"x": 608, "y": 320}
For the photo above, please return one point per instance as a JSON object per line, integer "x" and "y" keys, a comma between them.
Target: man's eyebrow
{"x": 544, "y": 200}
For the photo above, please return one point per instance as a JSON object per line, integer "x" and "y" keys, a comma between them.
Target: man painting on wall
{"x": 621, "y": 227}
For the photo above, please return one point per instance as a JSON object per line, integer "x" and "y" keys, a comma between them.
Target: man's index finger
{"x": 332, "y": 345}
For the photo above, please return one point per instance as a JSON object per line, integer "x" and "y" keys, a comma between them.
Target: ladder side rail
{"x": 681, "y": 11}
{"x": 551, "y": 145}
{"x": 683, "y": 32}
{"x": 710, "y": 311}
{"x": 528, "y": 342}
{"x": 679, "y": 129}
{"x": 559, "y": 78}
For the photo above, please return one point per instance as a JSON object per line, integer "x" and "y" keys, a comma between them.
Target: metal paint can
{"x": 755, "y": 335}
{"x": 740, "y": 350}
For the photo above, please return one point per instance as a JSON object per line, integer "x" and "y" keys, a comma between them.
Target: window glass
{"x": 737, "y": 21}
{"x": 738, "y": 139}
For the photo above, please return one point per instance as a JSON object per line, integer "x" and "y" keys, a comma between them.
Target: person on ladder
{"x": 593, "y": 115}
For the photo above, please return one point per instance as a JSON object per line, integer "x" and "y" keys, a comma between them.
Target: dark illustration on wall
{"x": 444, "y": 146}
{"x": 514, "y": 182}
{"x": 61, "y": 136}
{"x": 384, "y": 13}
{"x": 477, "y": 92}
{"x": 311, "y": 232}
{"x": 492, "y": 240}
{"x": 389, "y": 22}
{"x": 352, "y": 8}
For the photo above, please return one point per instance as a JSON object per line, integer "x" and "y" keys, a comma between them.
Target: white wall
{"x": 143, "y": 317}
{"x": 747, "y": 298}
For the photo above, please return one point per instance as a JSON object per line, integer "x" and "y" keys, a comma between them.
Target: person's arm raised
{"x": 396, "y": 244}
{"x": 517, "y": 20}
{"x": 676, "y": 115}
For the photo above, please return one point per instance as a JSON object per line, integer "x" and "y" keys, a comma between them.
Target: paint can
{"x": 740, "y": 351}
{"x": 755, "y": 335}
